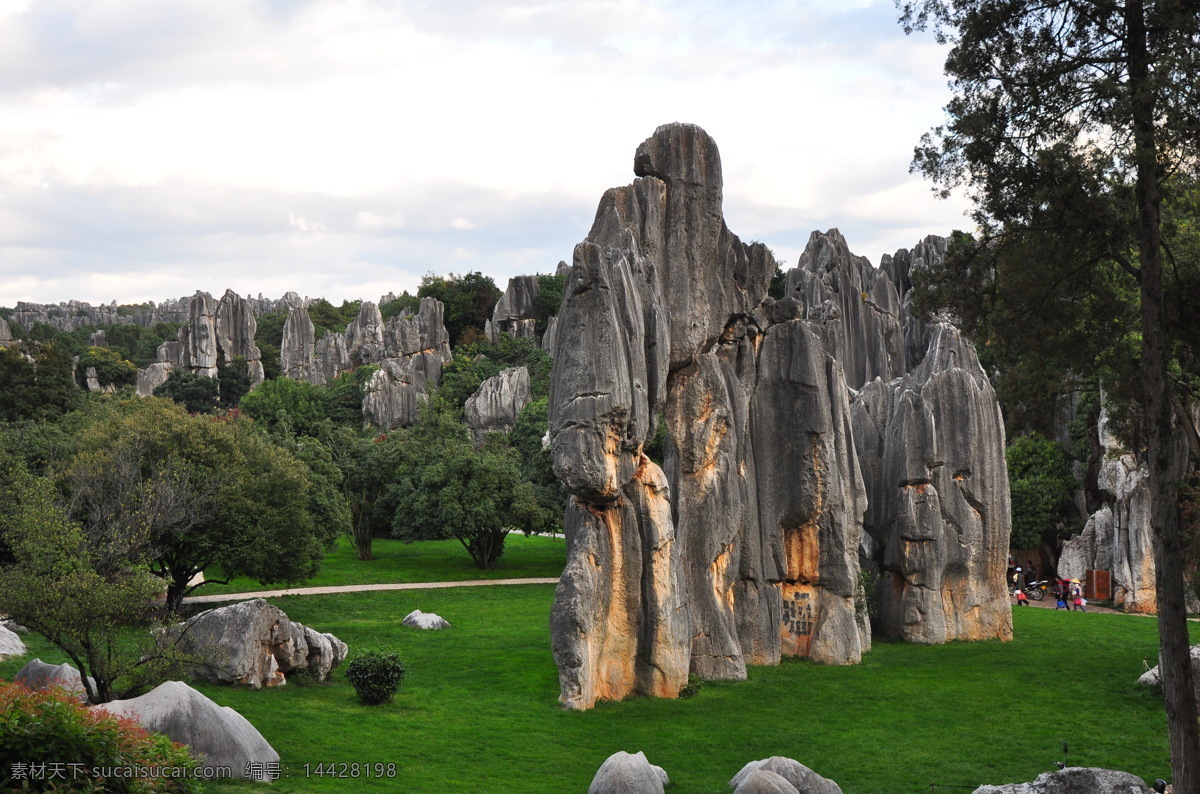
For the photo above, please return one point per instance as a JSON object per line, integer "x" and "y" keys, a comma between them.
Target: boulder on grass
{"x": 11, "y": 645}
{"x": 253, "y": 643}
{"x": 218, "y": 735}
{"x": 622, "y": 773}
{"x": 1151, "y": 676}
{"x": 425, "y": 620}
{"x": 40, "y": 675}
{"x": 1075, "y": 780}
{"x": 764, "y": 781}
{"x": 800, "y": 777}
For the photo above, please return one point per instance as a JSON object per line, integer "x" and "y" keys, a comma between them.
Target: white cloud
{"x": 162, "y": 138}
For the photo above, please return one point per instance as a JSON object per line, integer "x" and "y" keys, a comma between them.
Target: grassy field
{"x": 479, "y": 713}
{"x": 425, "y": 561}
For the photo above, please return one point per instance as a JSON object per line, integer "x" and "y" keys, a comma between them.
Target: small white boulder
{"x": 425, "y": 620}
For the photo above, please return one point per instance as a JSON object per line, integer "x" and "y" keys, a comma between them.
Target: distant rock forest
{"x": 748, "y": 462}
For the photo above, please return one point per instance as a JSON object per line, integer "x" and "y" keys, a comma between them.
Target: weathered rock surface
{"x": 425, "y": 620}
{"x": 1118, "y": 537}
{"x": 796, "y": 774}
{"x": 235, "y": 328}
{"x": 497, "y": 402}
{"x": 623, "y": 773}
{"x": 218, "y": 735}
{"x": 856, "y": 306}
{"x": 198, "y": 338}
{"x": 6, "y": 338}
{"x": 746, "y": 545}
{"x": 11, "y": 646}
{"x": 297, "y": 353}
{"x": 550, "y": 338}
{"x": 151, "y": 377}
{"x": 1075, "y": 780}
{"x": 515, "y": 313}
{"x": 764, "y": 781}
{"x": 253, "y": 643}
{"x": 37, "y": 674}
{"x": 932, "y": 446}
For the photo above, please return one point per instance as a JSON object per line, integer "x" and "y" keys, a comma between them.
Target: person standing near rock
{"x": 1077, "y": 596}
{"x": 1022, "y": 599}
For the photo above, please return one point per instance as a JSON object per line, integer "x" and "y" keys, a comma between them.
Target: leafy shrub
{"x": 694, "y": 685}
{"x": 376, "y": 675}
{"x": 1041, "y": 486}
{"x": 51, "y": 733}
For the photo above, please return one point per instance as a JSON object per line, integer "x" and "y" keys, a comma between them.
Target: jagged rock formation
{"x": 550, "y": 338}
{"x": 746, "y": 545}
{"x": 235, "y": 328}
{"x": 794, "y": 774}
{"x": 37, "y": 674}
{"x": 297, "y": 353}
{"x": 857, "y": 307}
{"x": 253, "y": 643}
{"x": 410, "y": 350}
{"x": 1118, "y": 537}
{"x": 515, "y": 313}
{"x": 628, "y": 773}
{"x": 198, "y": 337}
{"x": 932, "y": 446}
{"x": 1075, "y": 780}
{"x": 221, "y": 737}
{"x": 5, "y": 333}
{"x": 71, "y": 315}
{"x": 497, "y": 402}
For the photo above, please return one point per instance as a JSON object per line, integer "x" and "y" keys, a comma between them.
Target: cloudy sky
{"x": 344, "y": 148}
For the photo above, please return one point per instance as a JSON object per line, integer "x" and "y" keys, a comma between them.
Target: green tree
{"x": 548, "y": 300}
{"x": 233, "y": 381}
{"x": 36, "y": 382}
{"x": 449, "y": 489}
{"x": 404, "y": 303}
{"x": 468, "y": 300}
{"x": 94, "y": 602}
{"x": 288, "y": 406}
{"x": 1041, "y": 486}
{"x": 111, "y": 368}
{"x": 368, "y": 464}
{"x": 1068, "y": 125}
{"x": 196, "y": 492}
{"x": 198, "y": 393}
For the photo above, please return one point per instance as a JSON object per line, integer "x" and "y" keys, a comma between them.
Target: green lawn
{"x": 479, "y": 713}
{"x": 423, "y": 561}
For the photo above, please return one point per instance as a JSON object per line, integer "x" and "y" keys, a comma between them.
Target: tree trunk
{"x": 1174, "y": 659}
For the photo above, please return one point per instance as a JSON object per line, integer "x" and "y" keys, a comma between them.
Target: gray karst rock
{"x": 425, "y": 620}
{"x": 550, "y": 338}
{"x": 496, "y": 403}
{"x": 331, "y": 357}
{"x": 198, "y": 337}
{"x": 1075, "y": 780}
{"x": 252, "y": 643}
{"x": 515, "y": 313}
{"x": 899, "y": 268}
{"x": 764, "y": 781}
{"x": 746, "y": 545}
{"x": 297, "y": 353}
{"x": 364, "y": 336}
{"x": 97, "y": 339}
{"x": 388, "y": 401}
{"x": 217, "y": 735}
{"x": 932, "y": 446}
{"x": 857, "y": 307}
{"x": 235, "y": 328}
{"x": 1118, "y": 537}
{"x": 625, "y": 773}
{"x": 37, "y": 674}
{"x": 796, "y": 774}
{"x": 151, "y": 377}
{"x": 11, "y": 646}
{"x": 664, "y": 314}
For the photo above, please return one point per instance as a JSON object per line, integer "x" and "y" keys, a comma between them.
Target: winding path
{"x": 359, "y": 588}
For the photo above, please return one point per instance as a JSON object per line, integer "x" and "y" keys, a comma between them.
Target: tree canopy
{"x": 1070, "y": 124}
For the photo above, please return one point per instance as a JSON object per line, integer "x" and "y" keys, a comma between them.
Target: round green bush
{"x": 376, "y": 675}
